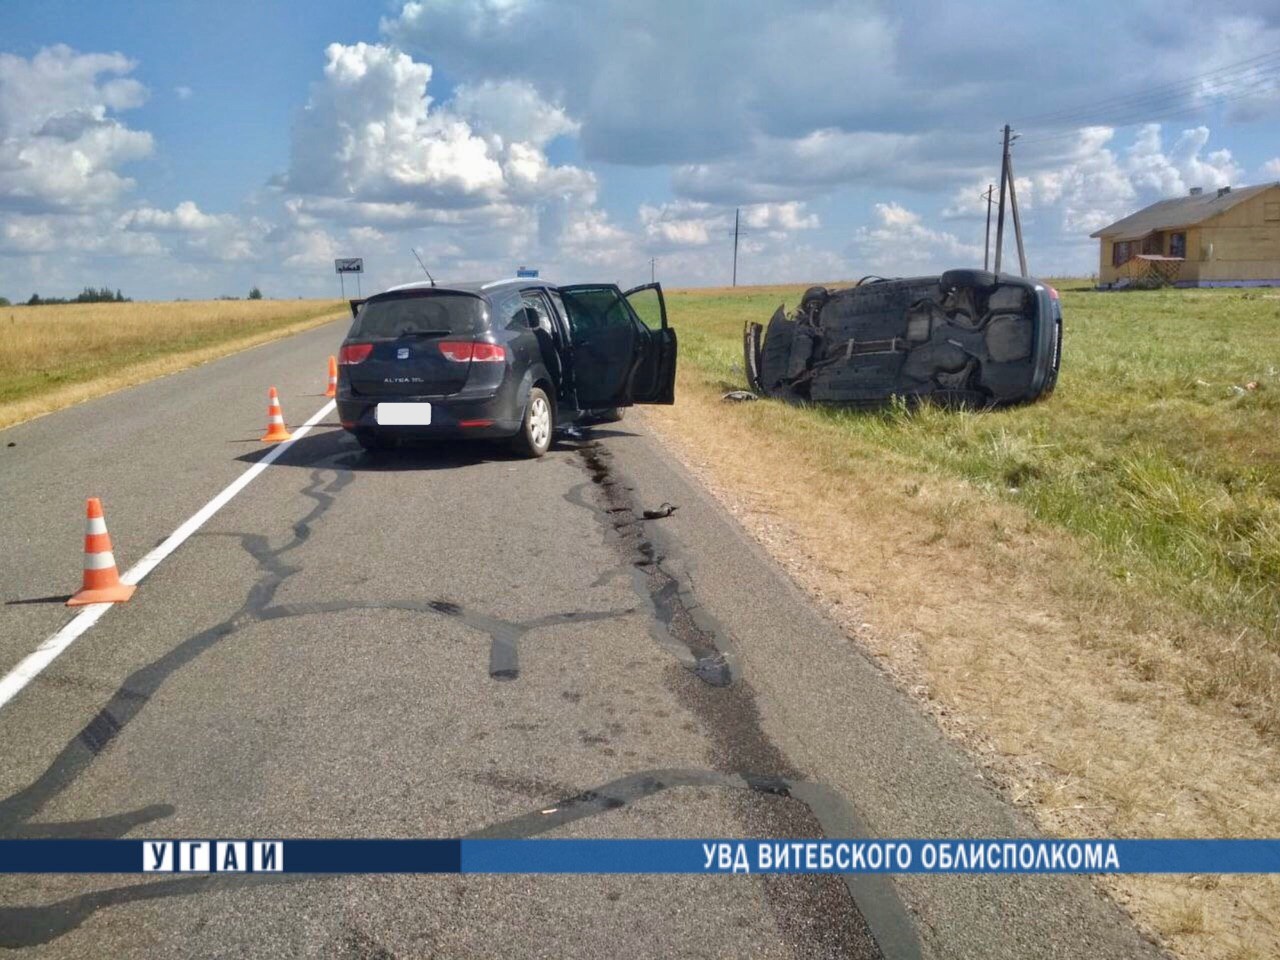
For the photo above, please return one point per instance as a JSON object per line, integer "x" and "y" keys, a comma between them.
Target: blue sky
{"x": 190, "y": 149}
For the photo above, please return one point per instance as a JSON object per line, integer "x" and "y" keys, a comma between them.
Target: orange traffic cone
{"x": 101, "y": 579}
{"x": 276, "y": 430}
{"x": 332, "y": 390}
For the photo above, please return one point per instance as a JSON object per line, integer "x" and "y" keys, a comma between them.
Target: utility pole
{"x": 652, "y": 268}
{"x": 1004, "y": 178}
{"x": 736, "y": 212}
{"x": 1017, "y": 220}
{"x": 986, "y": 249}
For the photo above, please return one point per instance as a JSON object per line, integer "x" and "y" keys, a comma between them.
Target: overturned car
{"x": 965, "y": 338}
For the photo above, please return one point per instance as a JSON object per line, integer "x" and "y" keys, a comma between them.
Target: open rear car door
{"x": 623, "y": 350}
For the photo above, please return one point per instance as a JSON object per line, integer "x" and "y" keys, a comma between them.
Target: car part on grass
{"x": 739, "y": 396}
{"x": 965, "y": 338}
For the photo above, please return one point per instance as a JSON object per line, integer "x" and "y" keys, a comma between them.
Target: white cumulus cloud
{"x": 693, "y": 223}
{"x": 898, "y": 242}
{"x": 61, "y": 147}
{"x": 186, "y": 217}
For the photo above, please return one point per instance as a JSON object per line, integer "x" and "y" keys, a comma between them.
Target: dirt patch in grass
{"x": 55, "y": 356}
{"x": 1110, "y": 695}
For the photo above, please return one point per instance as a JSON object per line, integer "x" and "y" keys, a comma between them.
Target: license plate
{"x": 403, "y": 414}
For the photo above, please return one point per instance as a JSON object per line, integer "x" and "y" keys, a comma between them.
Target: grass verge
{"x": 55, "y": 356}
{"x": 1082, "y": 591}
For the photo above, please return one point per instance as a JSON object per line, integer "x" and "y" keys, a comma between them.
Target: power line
{"x": 1127, "y": 119}
{"x": 1249, "y": 69}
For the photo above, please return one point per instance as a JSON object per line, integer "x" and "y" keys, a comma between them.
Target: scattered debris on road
{"x": 666, "y": 510}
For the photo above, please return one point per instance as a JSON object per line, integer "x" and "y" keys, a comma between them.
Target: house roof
{"x": 1179, "y": 212}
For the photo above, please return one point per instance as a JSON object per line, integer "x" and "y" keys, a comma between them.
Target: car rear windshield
{"x": 443, "y": 314}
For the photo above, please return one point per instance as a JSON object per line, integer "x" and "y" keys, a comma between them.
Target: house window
{"x": 1177, "y": 245}
{"x": 1120, "y": 253}
{"x": 1271, "y": 211}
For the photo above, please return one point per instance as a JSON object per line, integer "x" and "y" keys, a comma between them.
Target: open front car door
{"x": 655, "y": 375}
{"x": 623, "y": 350}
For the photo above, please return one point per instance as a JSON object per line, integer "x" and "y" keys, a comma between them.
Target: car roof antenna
{"x": 423, "y": 266}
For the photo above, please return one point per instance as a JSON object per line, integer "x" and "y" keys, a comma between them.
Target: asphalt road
{"x": 444, "y": 643}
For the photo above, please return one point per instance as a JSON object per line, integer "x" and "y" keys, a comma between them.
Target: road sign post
{"x": 344, "y": 265}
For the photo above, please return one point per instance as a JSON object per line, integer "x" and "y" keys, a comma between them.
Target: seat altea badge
{"x": 403, "y": 380}
{"x": 402, "y": 353}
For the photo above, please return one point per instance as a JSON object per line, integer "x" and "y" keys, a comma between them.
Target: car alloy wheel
{"x": 539, "y": 421}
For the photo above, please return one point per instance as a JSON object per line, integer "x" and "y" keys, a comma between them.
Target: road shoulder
{"x": 946, "y": 592}
{"x": 833, "y": 713}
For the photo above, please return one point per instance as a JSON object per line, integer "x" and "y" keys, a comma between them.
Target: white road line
{"x": 47, "y": 652}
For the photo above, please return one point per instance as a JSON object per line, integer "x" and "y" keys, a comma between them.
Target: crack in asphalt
{"x": 720, "y": 698}
{"x": 890, "y": 923}
{"x": 138, "y": 688}
{"x": 27, "y": 926}
{"x": 504, "y": 635}
{"x": 711, "y": 686}
{"x": 31, "y": 926}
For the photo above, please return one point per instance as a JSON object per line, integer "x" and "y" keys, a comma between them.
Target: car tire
{"x": 821, "y": 294}
{"x": 1051, "y": 381}
{"x": 973, "y": 279}
{"x": 534, "y": 438}
{"x": 374, "y": 442}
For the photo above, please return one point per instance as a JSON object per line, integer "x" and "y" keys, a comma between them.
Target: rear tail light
{"x": 354, "y": 353}
{"x": 458, "y": 351}
{"x": 488, "y": 353}
{"x": 475, "y": 351}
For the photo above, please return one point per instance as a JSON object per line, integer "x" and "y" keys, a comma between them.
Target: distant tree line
{"x": 103, "y": 295}
{"x": 87, "y": 295}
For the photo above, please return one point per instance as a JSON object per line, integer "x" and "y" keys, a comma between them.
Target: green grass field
{"x": 1159, "y": 448}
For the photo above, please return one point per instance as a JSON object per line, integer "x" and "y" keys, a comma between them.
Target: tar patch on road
{"x": 863, "y": 916}
{"x": 680, "y": 625}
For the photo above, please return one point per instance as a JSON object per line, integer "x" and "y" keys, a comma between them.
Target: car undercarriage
{"x": 966, "y": 338}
